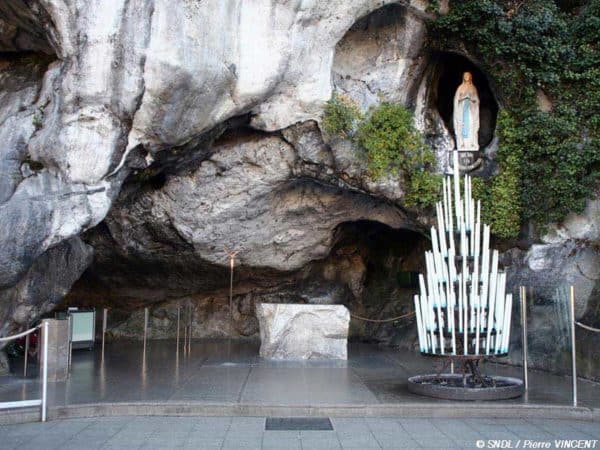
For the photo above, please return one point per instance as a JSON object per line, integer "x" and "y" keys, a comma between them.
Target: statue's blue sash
{"x": 466, "y": 118}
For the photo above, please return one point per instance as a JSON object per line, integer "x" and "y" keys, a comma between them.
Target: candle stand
{"x": 469, "y": 384}
{"x": 463, "y": 311}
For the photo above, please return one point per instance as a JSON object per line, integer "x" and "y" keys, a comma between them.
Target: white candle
{"x": 442, "y": 232}
{"x": 508, "y": 315}
{"x": 485, "y": 276}
{"x": 492, "y": 299}
{"x": 445, "y": 201}
{"x": 466, "y": 308}
{"x": 450, "y": 216}
{"x": 420, "y": 332}
{"x": 452, "y": 300}
{"x": 500, "y": 307}
{"x": 456, "y": 188}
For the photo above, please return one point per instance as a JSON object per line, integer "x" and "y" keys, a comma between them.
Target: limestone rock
{"x": 127, "y": 82}
{"x": 45, "y": 284}
{"x": 303, "y": 331}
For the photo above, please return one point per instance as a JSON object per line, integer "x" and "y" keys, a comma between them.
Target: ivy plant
{"x": 548, "y": 160}
{"x": 394, "y": 146}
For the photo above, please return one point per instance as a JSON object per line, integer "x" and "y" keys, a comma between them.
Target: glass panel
{"x": 83, "y": 326}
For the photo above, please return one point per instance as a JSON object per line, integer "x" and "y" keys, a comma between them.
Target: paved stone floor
{"x": 232, "y": 373}
{"x": 248, "y": 433}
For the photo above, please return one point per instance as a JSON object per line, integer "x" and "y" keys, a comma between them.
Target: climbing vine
{"x": 391, "y": 143}
{"x": 341, "y": 116}
{"x": 545, "y": 64}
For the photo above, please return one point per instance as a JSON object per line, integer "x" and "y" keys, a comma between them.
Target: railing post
{"x": 104, "y": 323}
{"x": 26, "y": 355}
{"x": 190, "y": 332}
{"x": 45, "y": 372}
{"x": 573, "y": 349}
{"x": 523, "y": 295}
{"x": 178, "y": 314}
{"x": 70, "y": 338}
{"x": 146, "y": 313}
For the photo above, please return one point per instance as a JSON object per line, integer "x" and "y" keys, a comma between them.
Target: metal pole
{"x": 104, "y": 324}
{"x": 145, "y": 327}
{"x": 231, "y": 264}
{"x": 26, "y": 354}
{"x": 523, "y": 294}
{"x": 70, "y": 338}
{"x": 185, "y": 338}
{"x": 190, "y": 326}
{"x": 178, "y": 314}
{"x": 573, "y": 350}
{"x": 45, "y": 372}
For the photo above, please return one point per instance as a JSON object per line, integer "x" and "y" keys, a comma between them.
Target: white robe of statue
{"x": 466, "y": 115}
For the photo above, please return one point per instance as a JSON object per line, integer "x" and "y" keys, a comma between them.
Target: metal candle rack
{"x": 463, "y": 311}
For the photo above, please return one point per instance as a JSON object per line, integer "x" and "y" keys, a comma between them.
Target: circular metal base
{"x": 450, "y": 386}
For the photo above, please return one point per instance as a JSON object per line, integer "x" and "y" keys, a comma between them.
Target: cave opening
{"x": 379, "y": 265}
{"x": 449, "y": 69}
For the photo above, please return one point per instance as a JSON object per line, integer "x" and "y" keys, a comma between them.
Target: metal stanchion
{"x": 177, "y": 339}
{"x": 45, "y": 372}
{"x": 104, "y": 324}
{"x": 232, "y": 254}
{"x": 146, "y": 313}
{"x": 26, "y": 354}
{"x": 70, "y": 339}
{"x": 523, "y": 295}
{"x": 573, "y": 349}
{"x": 185, "y": 330}
{"x": 190, "y": 326}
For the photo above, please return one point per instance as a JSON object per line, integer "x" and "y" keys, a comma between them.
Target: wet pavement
{"x": 231, "y": 372}
{"x": 249, "y": 433}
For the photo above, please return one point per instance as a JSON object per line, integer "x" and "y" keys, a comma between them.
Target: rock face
{"x": 567, "y": 255}
{"x": 303, "y": 331}
{"x": 91, "y": 93}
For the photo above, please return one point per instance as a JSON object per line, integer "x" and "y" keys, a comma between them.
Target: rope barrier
{"x": 17, "y": 336}
{"x": 587, "y": 327}
{"x": 393, "y": 319}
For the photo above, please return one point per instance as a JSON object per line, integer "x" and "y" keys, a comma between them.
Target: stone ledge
{"x": 406, "y": 410}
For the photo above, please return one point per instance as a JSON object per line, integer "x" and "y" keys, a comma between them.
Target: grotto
{"x": 176, "y": 167}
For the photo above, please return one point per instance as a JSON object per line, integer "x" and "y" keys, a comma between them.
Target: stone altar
{"x": 300, "y": 331}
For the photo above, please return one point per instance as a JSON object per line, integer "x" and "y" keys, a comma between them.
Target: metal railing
{"x": 42, "y": 402}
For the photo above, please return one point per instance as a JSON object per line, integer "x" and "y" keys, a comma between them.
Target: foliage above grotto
{"x": 392, "y": 146}
{"x": 532, "y": 49}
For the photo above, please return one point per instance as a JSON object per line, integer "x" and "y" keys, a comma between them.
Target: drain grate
{"x": 298, "y": 423}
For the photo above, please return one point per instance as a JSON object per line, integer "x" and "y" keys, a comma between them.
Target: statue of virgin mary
{"x": 466, "y": 115}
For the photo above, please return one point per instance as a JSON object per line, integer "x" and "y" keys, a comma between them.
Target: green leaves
{"x": 341, "y": 116}
{"x": 393, "y": 145}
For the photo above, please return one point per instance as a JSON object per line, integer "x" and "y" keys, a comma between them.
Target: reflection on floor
{"x": 221, "y": 371}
